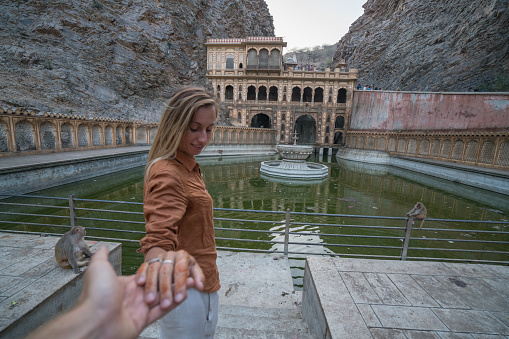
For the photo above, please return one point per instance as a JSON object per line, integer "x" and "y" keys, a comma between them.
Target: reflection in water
{"x": 290, "y": 182}
{"x": 352, "y": 188}
{"x": 361, "y": 167}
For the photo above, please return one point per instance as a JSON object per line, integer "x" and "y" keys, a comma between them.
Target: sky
{"x": 308, "y": 23}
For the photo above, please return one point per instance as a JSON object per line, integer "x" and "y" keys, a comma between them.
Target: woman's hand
{"x": 167, "y": 276}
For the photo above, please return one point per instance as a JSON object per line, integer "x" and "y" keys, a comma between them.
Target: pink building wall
{"x": 418, "y": 111}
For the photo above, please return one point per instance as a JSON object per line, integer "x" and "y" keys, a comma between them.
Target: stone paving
{"x": 363, "y": 298}
{"x": 342, "y": 298}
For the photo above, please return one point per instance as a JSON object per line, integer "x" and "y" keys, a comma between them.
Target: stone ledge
{"x": 364, "y": 298}
{"x": 485, "y": 178}
{"x": 326, "y": 304}
{"x": 31, "y": 277}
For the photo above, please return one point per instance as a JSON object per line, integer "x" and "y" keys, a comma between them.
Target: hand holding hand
{"x": 167, "y": 268}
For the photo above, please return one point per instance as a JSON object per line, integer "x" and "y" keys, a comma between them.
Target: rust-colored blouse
{"x": 178, "y": 214}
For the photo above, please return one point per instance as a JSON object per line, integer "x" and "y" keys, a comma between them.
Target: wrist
{"x": 96, "y": 322}
{"x": 106, "y": 323}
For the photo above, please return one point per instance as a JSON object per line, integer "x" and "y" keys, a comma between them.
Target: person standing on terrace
{"x": 178, "y": 208}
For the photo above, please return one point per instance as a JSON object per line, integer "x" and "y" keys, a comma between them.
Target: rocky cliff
{"x": 435, "y": 45}
{"x": 119, "y": 59}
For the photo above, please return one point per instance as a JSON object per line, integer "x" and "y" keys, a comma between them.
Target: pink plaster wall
{"x": 417, "y": 111}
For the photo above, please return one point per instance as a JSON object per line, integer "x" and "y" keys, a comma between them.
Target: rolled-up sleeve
{"x": 164, "y": 205}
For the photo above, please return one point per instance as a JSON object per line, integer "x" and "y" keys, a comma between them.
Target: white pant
{"x": 195, "y": 318}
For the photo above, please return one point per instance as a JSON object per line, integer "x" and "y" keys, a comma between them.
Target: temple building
{"x": 263, "y": 90}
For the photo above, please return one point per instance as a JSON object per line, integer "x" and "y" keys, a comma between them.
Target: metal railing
{"x": 290, "y": 233}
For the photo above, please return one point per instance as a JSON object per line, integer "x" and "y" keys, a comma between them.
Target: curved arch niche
{"x": 262, "y": 93}
{"x": 340, "y": 122}
{"x": 338, "y": 138}
{"x": 261, "y": 120}
{"x": 251, "y": 93}
{"x": 341, "y": 96}
{"x": 228, "y": 92}
{"x": 306, "y": 129}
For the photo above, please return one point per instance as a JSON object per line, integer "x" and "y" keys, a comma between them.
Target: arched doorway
{"x": 296, "y": 94}
{"x": 319, "y": 94}
{"x": 262, "y": 93}
{"x": 338, "y": 138}
{"x": 306, "y": 129}
{"x": 251, "y": 93}
{"x": 261, "y": 120}
{"x": 341, "y": 96}
{"x": 228, "y": 94}
{"x": 308, "y": 94}
{"x": 273, "y": 93}
{"x": 340, "y": 122}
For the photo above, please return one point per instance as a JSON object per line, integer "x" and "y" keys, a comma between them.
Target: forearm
{"x": 77, "y": 323}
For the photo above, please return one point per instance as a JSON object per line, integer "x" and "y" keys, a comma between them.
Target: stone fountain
{"x": 294, "y": 165}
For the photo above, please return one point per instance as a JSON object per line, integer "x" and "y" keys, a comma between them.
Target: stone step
{"x": 238, "y": 322}
{"x": 253, "y": 322}
{"x": 236, "y": 333}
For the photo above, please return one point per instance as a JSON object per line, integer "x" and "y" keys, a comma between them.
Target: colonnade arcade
{"x": 486, "y": 149}
{"x": 29, "y": 131}
{"x": 271, "y": 94}
{"x": 317, "y": 118}
{"x": 34, "y": 133}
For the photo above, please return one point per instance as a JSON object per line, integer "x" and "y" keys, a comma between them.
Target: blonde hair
{"x": 176, "y": 120}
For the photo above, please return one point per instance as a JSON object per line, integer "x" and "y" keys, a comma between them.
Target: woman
{"x": 178, "y": 209}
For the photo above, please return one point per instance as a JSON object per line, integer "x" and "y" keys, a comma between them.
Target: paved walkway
{"x": 18, "y": 161}
{"x": 256, "y": 299}
{"x": 407, "y": 299}
{"x": 342, "y": 298}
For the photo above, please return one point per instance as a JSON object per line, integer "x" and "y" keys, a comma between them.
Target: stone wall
{"x": 467, "y": 128}
{"x": 420, "y": 111}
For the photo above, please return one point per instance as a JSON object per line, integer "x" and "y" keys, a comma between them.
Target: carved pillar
{"x": 12, "y": 136}
{"x": 75, "y": 143}
{"x": 58, "y": 135}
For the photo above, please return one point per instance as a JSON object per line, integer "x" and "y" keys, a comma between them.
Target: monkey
{"x": 71, "y": 248}
{"x": 418, "y": 212}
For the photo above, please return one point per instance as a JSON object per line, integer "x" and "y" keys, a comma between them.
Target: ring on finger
{"x": 151, "y": 261}
{"x": 167, "y": 261}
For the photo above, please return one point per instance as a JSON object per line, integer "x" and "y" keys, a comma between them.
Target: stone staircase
{"x": 240, "y": 322}
{"x": 237, "y": 322}
{"x": 256, "y": 299}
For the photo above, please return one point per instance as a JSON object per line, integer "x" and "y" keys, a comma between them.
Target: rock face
{"x": 435, "y": 45}
{"x": 117, "y": 59}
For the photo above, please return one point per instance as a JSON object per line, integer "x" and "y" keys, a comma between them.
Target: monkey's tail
{"x": 422, "y": 223}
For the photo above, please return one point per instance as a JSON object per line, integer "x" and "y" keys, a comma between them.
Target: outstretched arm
{"x": 111, "y": 306}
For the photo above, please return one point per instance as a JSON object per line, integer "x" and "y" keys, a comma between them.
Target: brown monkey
{"x": 71, "y": 248}
{"x": 418, "y": 212}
